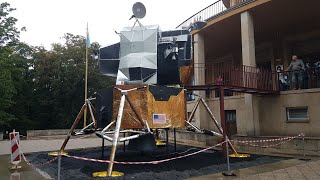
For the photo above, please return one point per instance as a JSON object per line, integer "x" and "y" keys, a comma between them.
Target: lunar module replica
{"x": 150, "y": 68}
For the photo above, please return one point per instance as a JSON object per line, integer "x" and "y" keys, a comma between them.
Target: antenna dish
{"x": 139, "y": 10}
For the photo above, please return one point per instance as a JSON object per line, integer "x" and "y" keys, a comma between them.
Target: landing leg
{"x": 116, "y": 134}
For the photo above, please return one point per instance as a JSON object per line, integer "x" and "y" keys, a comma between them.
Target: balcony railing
{"x": 307, "y": 79}
{"x": 212, "y": 11}
{"x": 240, "y": 78}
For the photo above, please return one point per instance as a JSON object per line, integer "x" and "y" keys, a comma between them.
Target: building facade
{"x": 262, "y": 34}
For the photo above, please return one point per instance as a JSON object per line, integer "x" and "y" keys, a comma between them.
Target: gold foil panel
{"x": 174, "y": 110}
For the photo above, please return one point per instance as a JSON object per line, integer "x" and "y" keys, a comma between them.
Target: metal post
{"x": 116, "y": 134}
{"x": 59, "y": 165}
{"x": 303, "y": 150}
{"x": 222, "y": 118}
{"x": 102, "y": 147}
{"x": 167, "y": 140}
{"x": 228, "y": 173}
{"x": 228, "y": 160}
{"x": 86, "y": 83}
{"x": 175, "y": 139}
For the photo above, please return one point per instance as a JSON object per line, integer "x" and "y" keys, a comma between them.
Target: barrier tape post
{"x": 228, "y": 160}
{"x": 30, "y": 164}
{"x": 228, "y": 173}
{"x": 303, "y": 149}
{"x": 15, "y": 150}
{"x": 59, "y": 164}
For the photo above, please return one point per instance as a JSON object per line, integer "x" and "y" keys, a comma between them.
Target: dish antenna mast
{"x": 139, "y": 11}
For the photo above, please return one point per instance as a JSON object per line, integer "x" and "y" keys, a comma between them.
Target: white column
{"x": 199, "y": 77}
{"x": 199, "y": 59}
{"x": 249, "y": 59}
{"x": 247, "y": 39}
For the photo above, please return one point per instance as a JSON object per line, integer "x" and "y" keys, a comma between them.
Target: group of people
{"x": 293, "y": 77}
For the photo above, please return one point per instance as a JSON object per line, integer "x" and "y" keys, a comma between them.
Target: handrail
{"x": 210, "y": 11}
{"x": 197, "y": 13}
{"x": 242, "y": 76}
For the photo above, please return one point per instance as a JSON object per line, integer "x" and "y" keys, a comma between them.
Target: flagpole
{"x": 86, "y": 82}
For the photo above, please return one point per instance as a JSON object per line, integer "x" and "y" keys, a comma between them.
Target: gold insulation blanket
{"x": 158, "y": 114}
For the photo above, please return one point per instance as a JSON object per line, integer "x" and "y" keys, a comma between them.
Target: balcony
{"x": 214, "y": 10}
{"x": 294, "y": 80}
{"x": 239, "y": 79}
{"x": 236, "y": 79}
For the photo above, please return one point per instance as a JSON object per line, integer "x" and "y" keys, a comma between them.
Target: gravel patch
{"x": 208, "y": 162}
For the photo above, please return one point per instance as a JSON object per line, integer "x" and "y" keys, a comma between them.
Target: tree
{"x": 59, "y": 81}
{"x": 42, "y": 89}
{"x": 9, "y": 70}
{"x": 9, "y": 33}
{"x": 6, "y": 93}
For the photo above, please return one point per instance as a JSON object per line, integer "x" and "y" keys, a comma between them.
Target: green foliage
{"x": 59, "y": 81}
{"x": 9, "y": 33}
{"x": 42, "y": 89}
{"x": 8, "y": 38}
{"x": 6, "y": 93}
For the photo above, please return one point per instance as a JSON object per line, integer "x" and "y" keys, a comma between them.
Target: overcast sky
{"x": 47, "y": 20}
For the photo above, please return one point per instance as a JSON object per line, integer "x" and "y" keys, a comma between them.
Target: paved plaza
{"x": 291, "y": 169}
{"x": 40, "y": 145}
{"x": 309, "y": 171}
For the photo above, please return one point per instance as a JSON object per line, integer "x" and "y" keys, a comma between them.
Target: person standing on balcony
{"x": 219, "y": 80}
{"x": 296, "y": 67}
{"x": 282, "y": 79}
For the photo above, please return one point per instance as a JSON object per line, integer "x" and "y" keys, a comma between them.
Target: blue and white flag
{"x": 88, "y": 38}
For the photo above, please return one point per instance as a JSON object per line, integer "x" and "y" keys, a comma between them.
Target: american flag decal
{"x": 159, "y": 118}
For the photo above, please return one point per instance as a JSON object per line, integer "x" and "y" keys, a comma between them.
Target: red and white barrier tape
{"x": 35, "y": 165}
{"x": 150, "y": 162}
{"x": 266, "y": 146}
{"x": 269, "y": 140}
{"x": 178, "y": 153}
{"x": 47, "y": 162}
{"x": 285, "y": 140}
{"x": 73, "y": 137}
{"x": 40, "y": 164}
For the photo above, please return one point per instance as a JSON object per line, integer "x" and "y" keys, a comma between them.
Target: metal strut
{"x": 205, "y": 131}
{"x": 116, "y": 134}
{"x": 86, "y": 104}
{"x": 117, "y": 131}
{"x": 76, "y": 122}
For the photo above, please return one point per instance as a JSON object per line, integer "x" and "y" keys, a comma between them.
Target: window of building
{"x": 297, "y": 114}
